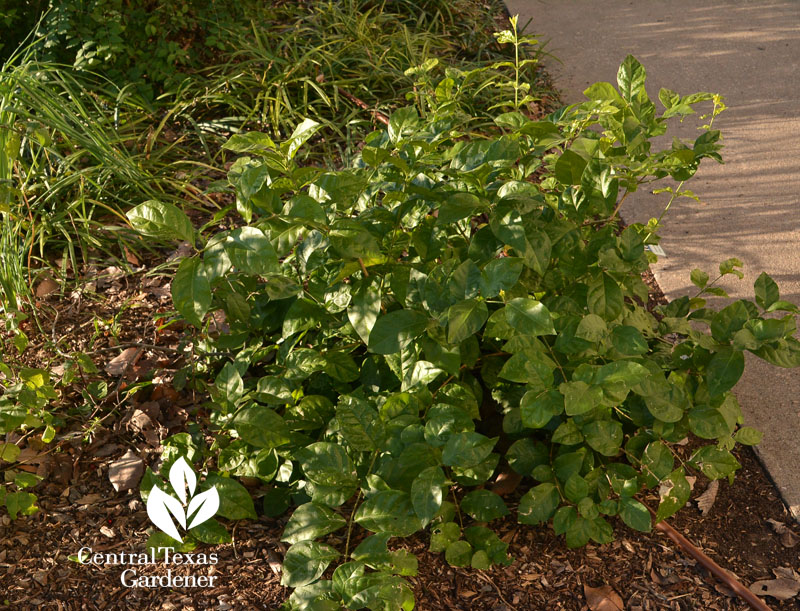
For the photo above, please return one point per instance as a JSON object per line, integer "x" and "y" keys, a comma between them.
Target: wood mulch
{"x": 80, "y": 508}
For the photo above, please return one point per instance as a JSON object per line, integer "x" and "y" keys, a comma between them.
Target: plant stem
{"x": 355, "y": 505}
{"x": 664, "y": 211}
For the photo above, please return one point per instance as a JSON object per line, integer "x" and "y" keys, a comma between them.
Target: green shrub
{"x": 17, "y": 20}
{"x": 401, "y": 328}
{"x": 152, "y": 42}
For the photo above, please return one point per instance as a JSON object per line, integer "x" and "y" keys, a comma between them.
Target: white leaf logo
{"x": 163, "y": 507}
{"x": 159, "y": 507}
{"x": 206, "y": 504}
{"x": 181, "y": 476}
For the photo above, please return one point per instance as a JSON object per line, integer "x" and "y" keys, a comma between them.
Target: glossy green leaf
{"x": 724, "y": 370}
{"x": 467, "y": 449}
{"x": 261, "y": 426}
{"x": 389, "y": 511}
{"x": 458, "y": 554}
{"x": 235, "y": 502}
{"x": 538, "y": 408}
{"x": 525, "y": 454}
{"x": 191, "y": 291}
{"x": 301, "y": 134}
{"x": 748, "y": 436}
{"x": 674, "y": 494}
{"x": 628, "y": 340}
{"x": 251, "y": 252}
{"x": 604, "y": 436}
{"x": 161, "y": 220}
{"x": 657, "y": 461}
{"x": 634, "y": 514}
{"x": 211, "y": 532}
{"x": 465, "y": 319}
{"x": 394, "y": 331}
{"x": 567, "y": 433}
{"x": 310, "y": 521}
{"x": 766, "y": 291}
{"x": 20, "y": 503}
{"x": 427, "y": 492}
{"x": 580, "y": 397}
{"x": 576, "y": 488}
{"x": 305, "y": 562}
{"x": 529, "y": 317}
{"x": 526, "y": 369}
{"x": 563, "y": 519}
{"x": 249, "y": 142}
{"x": 500, "y": 275}
{"x": 443, "y": 535}
{"x": 630, "y": 78}
{"x": 359, "y": 424}
{"x": 605, "y": 298}
{"x": 715, "y": 463}
{"x": 352, "y": 240}
{"x": 328, "y": 466}
{"x": 538, "y": 504}
{"x": 364, "y": 309}
{"x": 709, "y": 423}
{"x": 9, "y": 452}
{"x": 230, "y": 383}
{"x": 699, "y": 278}
{"x": 458, "y": 206}
{"x": 484, "y": 505}
{"x": 402, "y": 122}
{"x": 569, "y": 168}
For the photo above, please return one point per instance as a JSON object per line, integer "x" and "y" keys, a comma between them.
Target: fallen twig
{"x": 716, "y": 570}
{"x": 358, "y": 102}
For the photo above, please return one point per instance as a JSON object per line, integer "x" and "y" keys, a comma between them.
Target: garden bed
{"x": 134, "y": 378}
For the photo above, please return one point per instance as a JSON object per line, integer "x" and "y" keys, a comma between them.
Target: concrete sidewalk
{"x": 749, "y": 51}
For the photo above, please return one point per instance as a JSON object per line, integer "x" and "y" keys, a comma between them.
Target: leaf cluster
{"x": 389, "y": 318}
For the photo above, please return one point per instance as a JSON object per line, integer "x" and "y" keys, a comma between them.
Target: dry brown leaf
{"x": 130, "y": 257}
{"x": 106, "y": 450}
{"x": 119, "y": 364}
{"x": 706, "y": 500}
{"x": 89, "y": 499}
{"x": 46, "y": 287}
{"x": 109, "y": 277}
{"x": 786, "y": 572}
{"x": 664, "y": 577}
{"x": 126, "y": 472}
{"x": 782, "y": 589}
{"x": 140, "y": 422}
{"x": 603, "y": 598}
{"x": 159, "y": 292}
{"x": 787, "y": 537}
{"x": 506, "y": 482}
{"x": 184, "y": 250}
{"x": 274, "y": 562}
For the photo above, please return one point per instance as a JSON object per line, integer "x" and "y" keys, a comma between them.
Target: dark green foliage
{"x": 152, "y": 42}
{"x": 432, "y": 284}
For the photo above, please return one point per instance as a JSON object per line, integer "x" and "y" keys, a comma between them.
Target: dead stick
{"x": 358, "y": 102}
{"x": 754, "y": 601}
{"x": 363, "y": 268}
{"x": 378, "y": 115}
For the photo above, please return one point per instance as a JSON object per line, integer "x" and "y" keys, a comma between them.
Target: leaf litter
{"x": 603, "y": 598}
{"x": 706, "y": 500}
{"x": 787, "y": 536}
